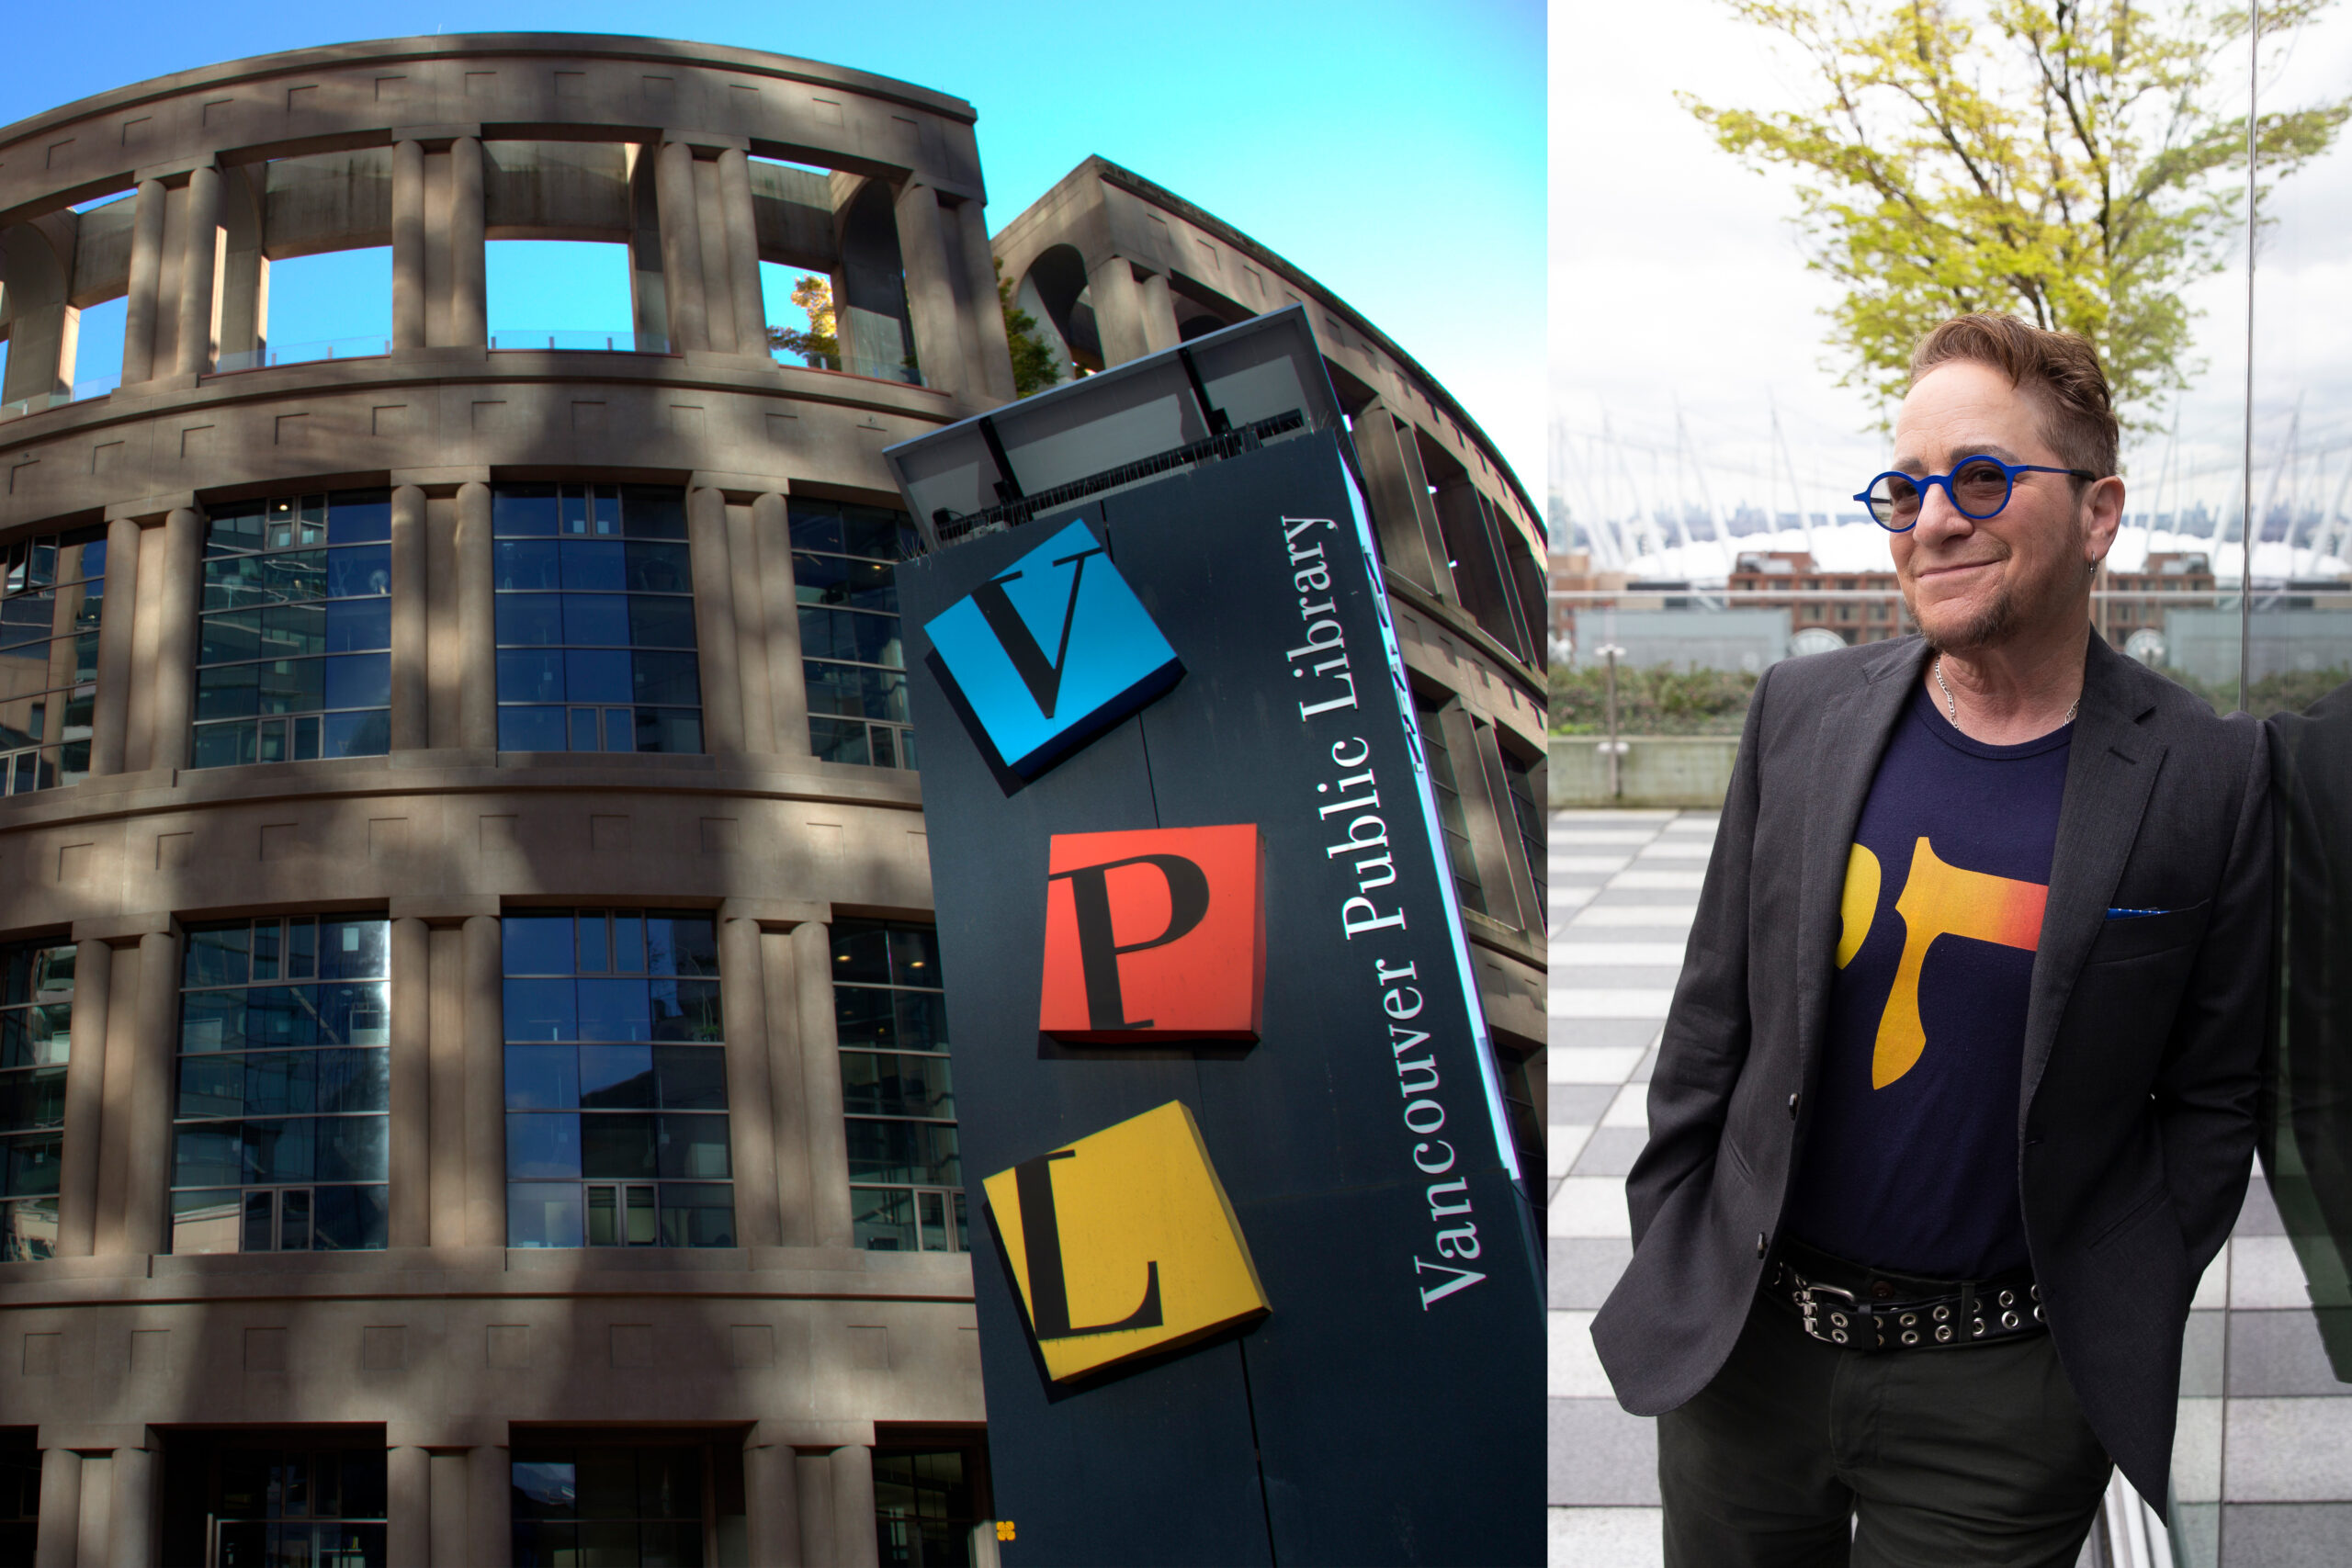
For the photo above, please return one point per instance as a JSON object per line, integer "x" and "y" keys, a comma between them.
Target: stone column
{"x": 820, "y": 1085}
{"x": 813, "y": 1489}
{"x": 447, "y": 1523}
{"x": 445, "y": 1120}
{"x": 673, "y": 184}
{"x": 994, "y": 372}
{"x": 411, "y": 676}
{"x": 722, "y": 687}
{"x": 742, "y": 252}
{"x": 1159, "y": 314}
{"x": 490, "y": 1505}
{"x": 787, "y": 1106}
{"x": 408, "y": 244}
{"x": 743, "y": 1005}
{"x": 148, "y": 1134}
{"x": 710, "y": 235}
{"x": 86, "y": 1065}
{"x": 770, "y": 1491}
{"x": 61, "y": 1509}
{"x": 109, "y": 723}
{"x": 749, "y": 614}
{"x": 780, "y": 622}
{"x": 477, "y": 619}
{"x": 130, "y": 1529}
{"x": 146, "y": 282}
{"x": 467, "y": 288}
{"x": 90, "y": 1528}
{"x": 931, "y": 295}
{"x": 853, "y": 1538}
{"x": 1118, "y": 313}
{"x": 176, "y": 601}
{"x": 199, "y": 269}
{"x": 410, "y": 1152}
{"x": 485, "y": 1086}
{"x": 408, "y": 1535}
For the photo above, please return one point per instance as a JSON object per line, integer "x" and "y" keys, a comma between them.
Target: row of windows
{"x": 615, "y": 1085}
{"x": 597, "y": 649}
{"x": 246, "y": 1498}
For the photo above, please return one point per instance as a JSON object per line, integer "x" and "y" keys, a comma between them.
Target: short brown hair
{"x": 2060, "y": 371}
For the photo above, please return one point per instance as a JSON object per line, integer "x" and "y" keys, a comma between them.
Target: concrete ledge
{"x": 808, "y": 1273}
{"x": 123, "y": 928}
{"x": 815, "y": 1435}
{"x": 1688, "y": 771}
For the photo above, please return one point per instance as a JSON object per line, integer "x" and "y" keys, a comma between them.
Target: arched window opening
{"x": 1055, "y": 290}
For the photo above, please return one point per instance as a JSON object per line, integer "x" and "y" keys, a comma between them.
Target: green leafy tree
{"x": 1035, "y": 368}
{"x": 2072, "y": 162}
{"x": 821, "y": 343}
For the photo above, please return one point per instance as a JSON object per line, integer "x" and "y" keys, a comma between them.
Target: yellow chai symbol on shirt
{"x": 1938, "y": 900}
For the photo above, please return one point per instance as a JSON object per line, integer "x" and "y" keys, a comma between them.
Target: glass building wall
{"x": 617, "y": 1128}
{"x": 36, "y": 1027}
{"x": 54, "y": 591}
{"x": 609, "y": 1504}
{"x": 280, "y": 1125}
{"x": 293, "y": 657}
{"x": 845, "y": 568}
{"x": 595, "y": 619}
{"x": 906, "y": 1183}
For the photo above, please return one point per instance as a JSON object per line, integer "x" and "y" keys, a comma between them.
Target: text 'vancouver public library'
{"x": 476, "y": 1088}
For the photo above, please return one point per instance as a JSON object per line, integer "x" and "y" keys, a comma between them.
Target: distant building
{"x": 2173, "y": 572}
{"x": 1834, "y": 602}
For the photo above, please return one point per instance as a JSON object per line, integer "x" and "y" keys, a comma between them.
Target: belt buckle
{"x": 1843, "y": 1325}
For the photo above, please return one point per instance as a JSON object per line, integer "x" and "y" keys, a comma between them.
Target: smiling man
{"x": 1955, "y": 1099}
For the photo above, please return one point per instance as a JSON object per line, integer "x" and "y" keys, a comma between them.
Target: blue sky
{"x": 1393, "y": 149}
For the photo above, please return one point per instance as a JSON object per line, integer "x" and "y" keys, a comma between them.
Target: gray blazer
{"x": 2136, "y": 1109}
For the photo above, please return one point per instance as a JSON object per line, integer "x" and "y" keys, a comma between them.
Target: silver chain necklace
{"x": 1952, "y": 708}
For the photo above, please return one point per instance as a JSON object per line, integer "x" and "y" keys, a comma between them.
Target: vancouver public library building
{"x": 477, "y": 1080}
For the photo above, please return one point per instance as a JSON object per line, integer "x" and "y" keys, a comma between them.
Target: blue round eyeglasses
{"x": 1978, "y": 489}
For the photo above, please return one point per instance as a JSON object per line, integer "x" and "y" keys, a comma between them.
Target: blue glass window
{"x": 36, "y": 1021}
{"x": 281, "y": 1125}
{"x": 294, "y": 656}
{"x": 595, "y": 619}
{"x": 844, "y": 571}
{"x": 899, "y": 1100}
{"x": 50, "y": 599}
{"x": 616, "y": 1130}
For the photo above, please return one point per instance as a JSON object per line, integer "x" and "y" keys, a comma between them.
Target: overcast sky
{"x": 1677, "y": 281}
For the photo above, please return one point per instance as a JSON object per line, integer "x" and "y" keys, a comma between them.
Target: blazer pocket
{"x": 1729, "y": 1144}
{"x": 2161, "y": 1197}
{"x": 2137, "y": 936}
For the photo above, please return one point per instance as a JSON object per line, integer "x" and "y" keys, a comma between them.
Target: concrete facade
{"x": 794, "y": 1352}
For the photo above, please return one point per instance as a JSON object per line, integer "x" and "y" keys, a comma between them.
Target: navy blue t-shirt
{"x": 1910, "y": 1162}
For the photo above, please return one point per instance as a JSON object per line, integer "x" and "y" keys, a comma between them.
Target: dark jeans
{"x": 1806, "y": 1455}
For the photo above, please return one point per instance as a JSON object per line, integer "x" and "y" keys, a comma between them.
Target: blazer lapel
{"x": 1854, "y": 729}
{"x": 2111, "y": 765}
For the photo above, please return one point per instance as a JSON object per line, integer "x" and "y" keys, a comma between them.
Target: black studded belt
{"x": 1867, "y": 1309}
